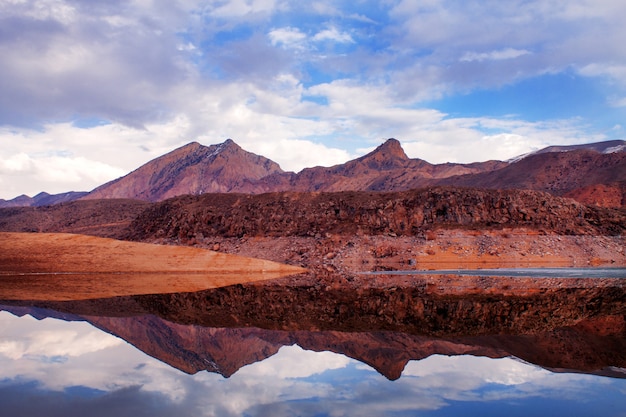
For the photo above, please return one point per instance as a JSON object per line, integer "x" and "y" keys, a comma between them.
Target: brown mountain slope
{"x": 559, "y": 173}
{"x": 585, "y": 172}
{"x": 191, "y": 169}
{"x": 226, "y": 350}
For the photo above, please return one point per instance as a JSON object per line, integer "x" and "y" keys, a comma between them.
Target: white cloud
{"x": 507, "y": 53}
{"x": 287, "y": 36}
{"x": 16, "y": 164}
{"x": 41, "y": 10}
{"x": 613, "y": 71}
{"x": 465, "y": 140}
{"x": 619, "y": 102}
{"x": 476, "y": 370}
{"x": 325, "y": 8}
{"x": 240, "y": 8}
{"x": 276, "y": 123}
{"x": 333, "y": 34}
{"x": 296, "y": 154}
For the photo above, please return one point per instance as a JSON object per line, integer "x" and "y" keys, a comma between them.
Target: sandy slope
{"x": 57, "y": 266}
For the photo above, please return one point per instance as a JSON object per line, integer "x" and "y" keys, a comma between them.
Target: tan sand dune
{"x": 58, "y": 266}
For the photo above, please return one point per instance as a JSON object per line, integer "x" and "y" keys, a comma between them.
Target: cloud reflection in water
{"x": 52, "y": 367}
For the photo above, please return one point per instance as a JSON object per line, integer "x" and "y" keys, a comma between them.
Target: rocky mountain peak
{"x": 389, "y": 155}
{"x": 390, "y": 149}
{"x": 190, "y": 169}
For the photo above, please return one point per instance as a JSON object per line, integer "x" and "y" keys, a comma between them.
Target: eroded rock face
{"x": 401, "y": 213}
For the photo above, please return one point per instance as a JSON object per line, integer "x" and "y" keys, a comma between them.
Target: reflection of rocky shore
{"x": 558, "y": 324}
{"x": 442, "y": 306}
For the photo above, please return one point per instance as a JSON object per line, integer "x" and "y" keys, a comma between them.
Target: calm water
{"x": 51, "y": 367}
{"x": 520, "y": 272}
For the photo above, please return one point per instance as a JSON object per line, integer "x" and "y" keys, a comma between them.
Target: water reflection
{"x": 68, "y": 367}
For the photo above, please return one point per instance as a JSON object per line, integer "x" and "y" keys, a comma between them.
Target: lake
{"x": 517, "y": 272}
{"x": 56, "y": 363}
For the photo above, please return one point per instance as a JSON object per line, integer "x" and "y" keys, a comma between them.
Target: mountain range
{"x": 592, "y": 174}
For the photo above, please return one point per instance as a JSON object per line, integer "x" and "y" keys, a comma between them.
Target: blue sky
{"x": 91, "y": 90}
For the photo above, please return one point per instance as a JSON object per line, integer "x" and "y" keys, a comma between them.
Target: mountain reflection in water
{"x": 68, "y": 367}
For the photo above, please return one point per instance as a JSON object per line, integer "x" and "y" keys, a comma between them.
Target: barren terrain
{"x": 48, "y": 266}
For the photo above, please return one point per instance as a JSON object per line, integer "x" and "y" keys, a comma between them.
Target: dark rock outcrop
{"x": 401, "y": 213}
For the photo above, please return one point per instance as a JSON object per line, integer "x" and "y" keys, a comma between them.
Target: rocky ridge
{"x": 356, "y": 231}
{"x": 591, "y": 173}
{"x": 368, "y": 213}
{"x": 104, "y": 218}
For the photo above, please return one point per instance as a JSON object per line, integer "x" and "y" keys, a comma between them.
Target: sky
{"x": 90, "y": 90}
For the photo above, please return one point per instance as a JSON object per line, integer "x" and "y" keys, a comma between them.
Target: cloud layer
{"x": 107, "y": 85}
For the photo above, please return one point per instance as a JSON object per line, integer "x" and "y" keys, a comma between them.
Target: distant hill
{"x": 609, "y": 146}
{"x": 42, "y": 199}
{"x": 107, "y": 217}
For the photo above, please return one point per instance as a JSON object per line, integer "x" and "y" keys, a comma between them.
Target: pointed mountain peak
{"x": 198, "y": 150}
{"x": 228, "y": 144}
{"x": 391, "y": 148}
{"x": 386, "y": 156}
